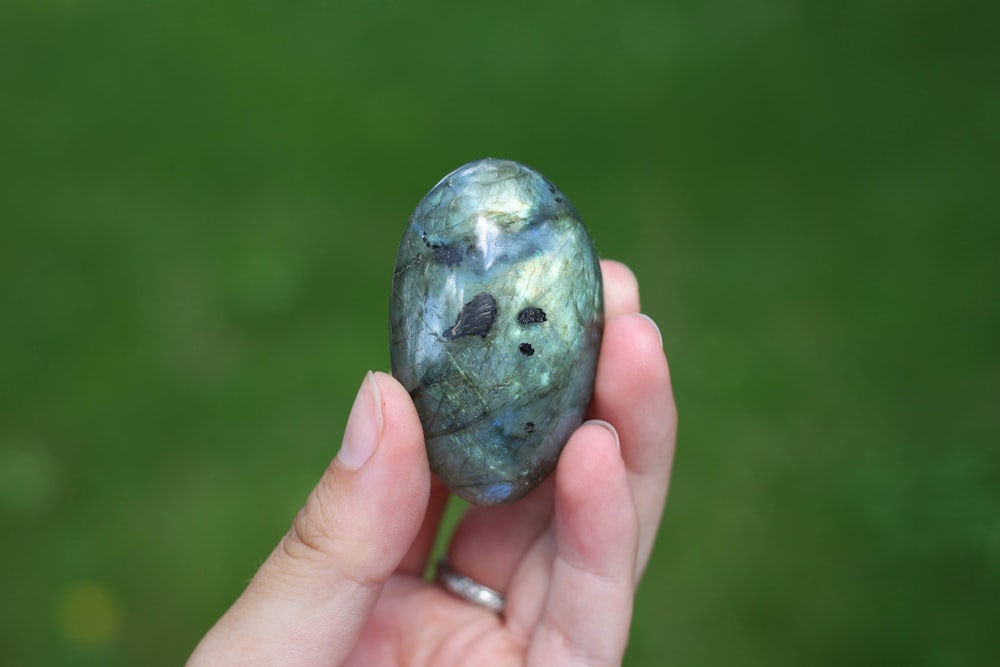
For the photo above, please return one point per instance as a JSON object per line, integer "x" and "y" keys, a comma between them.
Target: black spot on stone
{"x": 526, "y": 349}
{"x": 448, "y": 255}
{"x": 531, "y": 315}
{"x": 444, "y": 253}
{"x": 476, "y": 318}
{"x": 558, "y": 200}
{"x": 529, "y": 427}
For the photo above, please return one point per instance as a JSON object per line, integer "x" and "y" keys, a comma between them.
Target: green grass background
{"x": 199, "y": 209}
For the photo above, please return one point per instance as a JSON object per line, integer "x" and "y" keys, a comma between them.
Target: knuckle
{"x": 315, "y": 531}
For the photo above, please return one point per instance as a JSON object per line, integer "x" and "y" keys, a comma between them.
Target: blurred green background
{"x": 199, "y": 209}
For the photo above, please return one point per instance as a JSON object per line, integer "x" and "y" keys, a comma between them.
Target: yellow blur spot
{"x": 88, "y": 615}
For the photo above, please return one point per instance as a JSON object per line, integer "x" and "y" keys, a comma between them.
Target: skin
{"x": 344, "y": 586}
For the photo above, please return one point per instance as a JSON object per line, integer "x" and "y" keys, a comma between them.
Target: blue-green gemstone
{"x": 495, "y": 325}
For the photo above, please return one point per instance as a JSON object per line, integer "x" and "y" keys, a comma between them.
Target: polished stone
{"x": 496, "y": 317}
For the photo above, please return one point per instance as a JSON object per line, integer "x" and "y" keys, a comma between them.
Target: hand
{"x": 344, "y": 586}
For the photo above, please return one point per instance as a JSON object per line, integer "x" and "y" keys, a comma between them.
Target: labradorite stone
{"x": 495, "y": 324}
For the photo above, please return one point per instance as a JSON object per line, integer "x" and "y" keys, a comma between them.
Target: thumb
{"x": 311, "y": 598}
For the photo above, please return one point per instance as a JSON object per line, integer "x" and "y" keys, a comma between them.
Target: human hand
{"x": 345, "y": 585}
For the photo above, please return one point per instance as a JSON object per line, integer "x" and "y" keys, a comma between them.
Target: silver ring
{"x": 469, "y": 589}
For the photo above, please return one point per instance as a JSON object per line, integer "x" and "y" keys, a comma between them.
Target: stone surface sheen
{"x": 496, "y": 317}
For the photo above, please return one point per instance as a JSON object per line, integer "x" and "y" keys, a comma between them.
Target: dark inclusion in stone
{"x": 504, "y": 244}
{"x": 476, "y": 317}
{"x": 448, "y": 255}
{"x": 531, "y": 316}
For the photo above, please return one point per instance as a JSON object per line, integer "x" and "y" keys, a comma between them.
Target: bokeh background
{"x": 199, "y": 209}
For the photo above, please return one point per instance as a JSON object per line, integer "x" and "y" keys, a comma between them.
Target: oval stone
{"x": 495, "y": 322}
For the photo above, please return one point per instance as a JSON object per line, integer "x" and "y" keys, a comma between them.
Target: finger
{"x": 621, "y": 289}
{"x": 633, "y": 392}
{"x": 309, "y": 601}
{"x": 489, "y": 542}
{"x": 586, "y": 614}
{"x": 415, "y": 560}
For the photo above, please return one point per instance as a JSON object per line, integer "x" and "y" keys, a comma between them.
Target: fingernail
{"x": 654, "y": 326}
{"x": 363, "y": 426}
{"x": 607, "y": 425}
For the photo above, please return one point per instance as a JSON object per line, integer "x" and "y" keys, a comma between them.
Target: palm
{"x": 418, "y": 623}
